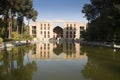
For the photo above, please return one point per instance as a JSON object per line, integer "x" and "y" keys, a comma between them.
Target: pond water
{"x": 63, "y": 61}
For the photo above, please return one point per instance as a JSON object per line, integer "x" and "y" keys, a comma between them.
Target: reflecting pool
{"x": 63, "y": 61}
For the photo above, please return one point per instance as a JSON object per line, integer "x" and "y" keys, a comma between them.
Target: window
{"x": 40, "y": 47}
{"x": 41, "y": 32}
{"x": 74, "y": 32}
{"x": 33, "y": 32}
{"x": 33, "y": 27}
{"x": 74, "y": 25}
{"x": 45, "y": 28}
{"x": 81, "y": 28}
{"x": 74, "y": 36}
{"x": 53, "y": 36}
{"x": 66, "y": 36}
{"x": 48, "y": 48}
{"x": 67, "y": 25}
{"x": 74, "y": 28}
{"x": 48, "y": 27}
{"x": 67, "y": 32}
{"x": 44, "y": 36}
{"x": 41, "y": 27}
{"x": 67, "y": 28}
{"x": 48, "y": 32}
{"x": 48, "y": 36}
{"x": 44, "y": 47}
{"x": 44, "y": 53}
{"x": 48, "y": 44}
{"x": 45, "y": 25}
{"x": 44, "y": 32}
{"x": 41, "y": 52}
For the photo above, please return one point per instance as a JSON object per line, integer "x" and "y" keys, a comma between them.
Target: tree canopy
{"x": 16, "y": 9}
{"x": 104, "y": 20}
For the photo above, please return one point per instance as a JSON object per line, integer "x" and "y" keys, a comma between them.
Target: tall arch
{"x": 58, "y": 32}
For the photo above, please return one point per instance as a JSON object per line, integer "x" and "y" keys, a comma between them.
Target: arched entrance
{"x": 58, "y": 32}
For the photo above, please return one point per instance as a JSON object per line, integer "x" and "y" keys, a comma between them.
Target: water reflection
{"x": 64, "y": 61}
{"x": 49, "y": 51}
{"x": 102, "y": 64}
{"x": 13, "y": 65}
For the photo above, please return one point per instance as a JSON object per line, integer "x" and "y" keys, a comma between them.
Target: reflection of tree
{"x": 59, "y": 49}
{"x": 102, "y": 64}
{"x": 12, "y": 66}
{"x": 24, "y": 72}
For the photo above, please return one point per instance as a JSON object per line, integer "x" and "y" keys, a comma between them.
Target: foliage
{"x": 17, "y": 54}
{"x": 11, "y": 10}
{"x": 1, "y": 40}
{"x": 30, "y": 37}
{"x": 103, "y": 19}
{"x": 15, "y": 35}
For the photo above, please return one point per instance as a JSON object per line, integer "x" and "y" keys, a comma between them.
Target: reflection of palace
{"x": 46, "y": 30}
{"x": 57, "y": 51}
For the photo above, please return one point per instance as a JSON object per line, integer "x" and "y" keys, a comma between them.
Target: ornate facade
{"x": 58, "y": 29}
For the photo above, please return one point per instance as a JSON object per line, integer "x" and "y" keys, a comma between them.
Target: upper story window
{"x": 33, "y": 27}
{"x": 41, "y": 27}
{"x": 81, "y": 28}
{"x": 70, "y": 32}
{"x": 48, "y": 32}
{"x": 67, "y": 32}
{"x": 67, "y": 25}
{"x": 44, "y": 32}
{"x": 44, "y": 27}
{"x": 44, "y": 24}
{"x": 70, "y": 27}
{"x": 48, "y": 27}
{"x": 33, "y": 32}
{"x": 41, "y": 32}
{"x": 74, "y": 28}
{"x": 41, "y": 24}
{"x": 67, "y": 28}
{"x": 74, "y": 25}
{"x": 74, "y": 32}
{"x": 48, "y": 36}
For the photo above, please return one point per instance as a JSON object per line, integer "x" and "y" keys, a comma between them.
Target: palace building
{"x": 58, "y": 29}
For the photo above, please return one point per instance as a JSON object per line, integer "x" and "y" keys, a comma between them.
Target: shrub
{"x": 15, "y": 35}
{"x": 1, "y": 40}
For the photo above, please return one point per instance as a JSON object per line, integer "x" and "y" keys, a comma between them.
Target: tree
{"x": 103, "y": 19}
{"x": 12, "y": 9}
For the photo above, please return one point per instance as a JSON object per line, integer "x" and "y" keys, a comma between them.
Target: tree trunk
{"x": 10, "y": 28}
{"x": 6, "y": 27}
{"x": 22, "y": 28}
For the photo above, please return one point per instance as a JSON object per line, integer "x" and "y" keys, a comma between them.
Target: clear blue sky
{"x": 60, "y": 9}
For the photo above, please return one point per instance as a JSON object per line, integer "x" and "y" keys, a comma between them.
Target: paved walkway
{"x": 13, "y": 44}
{"x": 101, "y": 44}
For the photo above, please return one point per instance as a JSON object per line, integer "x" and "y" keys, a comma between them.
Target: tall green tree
{"x": 103, "y": 20}
{"x": 16, "y": 9}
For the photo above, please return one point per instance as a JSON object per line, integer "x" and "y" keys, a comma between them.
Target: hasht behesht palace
{"x": 59, "y": 30}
